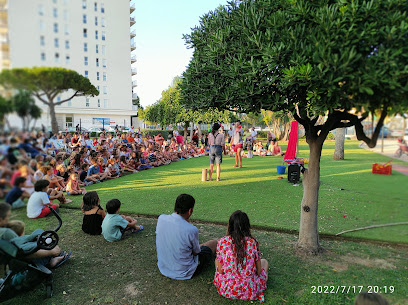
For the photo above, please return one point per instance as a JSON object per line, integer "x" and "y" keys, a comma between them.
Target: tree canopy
{"x": 341, "y": 58}
{"x": 46, "y": 83}
{"x": 169, "y": 110}
{"x": 305, "y": 57}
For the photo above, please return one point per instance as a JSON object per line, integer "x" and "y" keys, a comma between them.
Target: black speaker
{"x": 294, "y": 173}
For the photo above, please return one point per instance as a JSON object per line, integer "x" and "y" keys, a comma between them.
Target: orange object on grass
{"x": 382, "y": 169}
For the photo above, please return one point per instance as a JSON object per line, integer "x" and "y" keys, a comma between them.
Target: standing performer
{"x": 217, "y": 145}
{"x": 237, "y": 142}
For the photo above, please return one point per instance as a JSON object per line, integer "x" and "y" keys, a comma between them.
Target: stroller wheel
{"x": 50, "y": 291}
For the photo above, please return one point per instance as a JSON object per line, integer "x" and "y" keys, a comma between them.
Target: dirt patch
{"x": 343, "y": 262}
{"x": 132, "y": 290}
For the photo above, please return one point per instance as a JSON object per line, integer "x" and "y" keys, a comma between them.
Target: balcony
{"x": 132, "y": 7}
{"x": 133, "y": 59}
{"x": 133, "y": 34}
{"x": 132, "y": 21}
{"x": 134, "y": 83}
{"x": 133, "y": 46}
{"x": 134, "y": 71}
{"x": 134, "y": 96}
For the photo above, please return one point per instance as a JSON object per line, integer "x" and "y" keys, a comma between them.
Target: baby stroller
{"x": 21, "y": 275}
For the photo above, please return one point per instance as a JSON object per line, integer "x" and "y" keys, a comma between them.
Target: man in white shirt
{"x": 254, "y": 133}
{"x": 179, "y": 254}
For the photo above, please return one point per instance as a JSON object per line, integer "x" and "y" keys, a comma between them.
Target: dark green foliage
{"x": 315, "y": 56}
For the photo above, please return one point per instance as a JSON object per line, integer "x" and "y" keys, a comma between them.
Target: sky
{"x": 160, "y": 49}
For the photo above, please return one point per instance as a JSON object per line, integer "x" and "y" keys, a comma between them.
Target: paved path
{"x": 388, "y": 149}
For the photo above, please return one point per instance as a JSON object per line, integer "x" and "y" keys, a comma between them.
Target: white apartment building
{"x": 92, "y": 37}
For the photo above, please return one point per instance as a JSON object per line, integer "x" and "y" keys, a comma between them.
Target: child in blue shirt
{"x": 115, "y": 225}
{"x": 15, "y": 197}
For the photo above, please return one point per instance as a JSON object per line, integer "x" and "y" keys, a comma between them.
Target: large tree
{"x": 47, "y": 83}
{"x": 343, "y": 59}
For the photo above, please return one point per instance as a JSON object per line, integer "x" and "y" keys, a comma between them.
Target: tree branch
{"x": 41, "y": 99}
{"x": 67, "y": 99}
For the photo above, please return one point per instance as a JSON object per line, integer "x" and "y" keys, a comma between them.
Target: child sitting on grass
{"x": 93, "y": 214}
{"x": 39, "y": 202}
{"x": 73, "y": 187}
{"x": 114, "y": 225}
{"x": 15, "y": 197}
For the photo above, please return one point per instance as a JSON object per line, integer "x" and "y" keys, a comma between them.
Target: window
{"x": 97, "y": 87}
{"x": 58, "y": 99}
{"x": 41, "y": 25}
{"x": 96, "y": 6}
{"x": 67, "y": 59}
{"x": 96, "y": 20}
{"x": 84, "y": 4}
{"x": 41, "y": 10}
{"x": 85, "y": 47}
{"x": 43, "y": 56}
{"x": 56, "y": 57}
{"x": 97, "y": 62}
{"x": 102, "y": 8}
{"x": 66, "y": 29}
{"x": 56, "y": 43}
{"x": 55, "y": 12}
{"x": 67, "y": 44}
{"x": 104, "y": 76}
{"x": 87, "y": 102}
{"x": 70, "y": 103}
{"x": 85, "y": 60}
{"x": 103, "y": 35}
{"x": 103, "y": 22}
{"x": 84, "y": 18}
{"x": 55, "y": 1}
{"x": 96, "y": 34}
{"x": 42, "y": 41}
{"x": 105, "y": 103}
{"x": 99, "y": 103}
{"x": 97, "y": 75}
{"x": 55, "y": 27}
{"x": 97, "y": 49}
{"x": 66, "y": 15}
{"x": 86, "y": 74}
{"x": 103, "y": 50}
{"x": 105, "y": 90}
{"x": 104, "y": 63}
{"x": 85, "y": 33}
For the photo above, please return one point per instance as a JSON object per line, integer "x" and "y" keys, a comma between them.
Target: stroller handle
{"x": 58, "y": 217}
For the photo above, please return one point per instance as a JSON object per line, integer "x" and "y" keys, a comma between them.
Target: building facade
{"x": 92, "y": 37}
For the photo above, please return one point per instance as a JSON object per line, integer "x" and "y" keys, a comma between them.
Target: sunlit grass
{"x": 350, "y": 195}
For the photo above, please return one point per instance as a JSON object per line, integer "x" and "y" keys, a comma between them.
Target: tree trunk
{"x": 308, "y": 234}
{"x": 185, "y": 131}
{"x": 54, "y": 123}
{"x": 191, "y": 131}
{"x": 339, "y": 145}
{"x": 199, "y": 132}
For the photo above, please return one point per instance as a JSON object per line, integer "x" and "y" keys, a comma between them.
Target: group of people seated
{"x": 70, "y": 162}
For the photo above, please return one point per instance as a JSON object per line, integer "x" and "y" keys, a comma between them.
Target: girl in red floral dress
{"x": 240, "y": 273}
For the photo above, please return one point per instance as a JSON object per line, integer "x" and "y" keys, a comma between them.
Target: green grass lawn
{"x": 126, "y": 272}
{"x": 366, "y": 199}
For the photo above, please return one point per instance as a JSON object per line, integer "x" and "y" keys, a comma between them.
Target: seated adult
{"x": 179, "y": 254}
{"x": 275, "y": 149}
{"x": 159, "y": 139}
{"x": 240, "y": 273}
{"x": 50, "y": 258}
{"x": 26, "y": 147}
